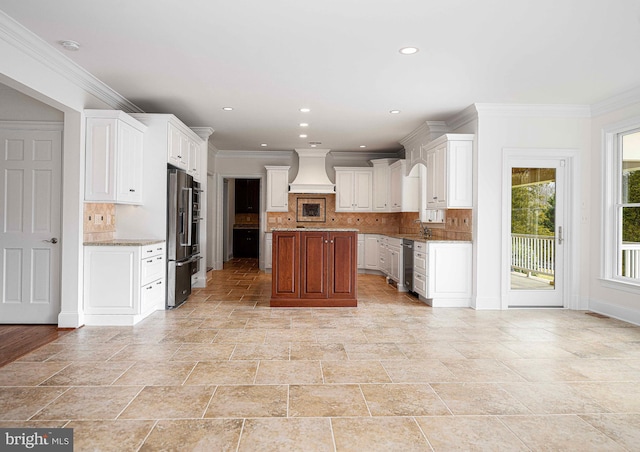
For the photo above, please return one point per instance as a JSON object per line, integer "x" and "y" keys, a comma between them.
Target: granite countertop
{"x": 246, "y": 226}
{"x": 124, "y": 242}
{"x": 315, "y": 229}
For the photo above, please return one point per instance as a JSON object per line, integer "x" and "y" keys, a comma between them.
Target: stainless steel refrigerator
{"x": 182, "y": 236}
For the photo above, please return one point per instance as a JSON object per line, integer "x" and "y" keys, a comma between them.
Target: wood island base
{"x": 305, "y": 303}
{"x": 314, "y": 268}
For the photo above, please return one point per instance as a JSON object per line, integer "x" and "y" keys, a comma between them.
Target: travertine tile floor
{"x": 226, "y": 372}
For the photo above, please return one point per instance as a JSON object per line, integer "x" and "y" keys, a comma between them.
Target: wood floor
{"x": 18, "y": 340}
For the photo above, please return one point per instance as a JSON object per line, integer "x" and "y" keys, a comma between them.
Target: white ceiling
{"x": 268, "y": 58}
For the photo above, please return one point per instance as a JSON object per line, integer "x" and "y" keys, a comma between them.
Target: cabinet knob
{"x": 132, "y": 190}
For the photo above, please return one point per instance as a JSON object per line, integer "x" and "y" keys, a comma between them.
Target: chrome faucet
{"x": 425, "y": 231}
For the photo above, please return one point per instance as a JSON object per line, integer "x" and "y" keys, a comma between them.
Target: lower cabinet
{"x": 314, "y": 268}
{"x": 245, "y": 243}
{"x": 442, "y": 273}
{"x": 123, "y": 284}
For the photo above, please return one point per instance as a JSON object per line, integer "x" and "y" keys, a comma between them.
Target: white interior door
{"x": 536, "y": 242}
{"x": 30, "y": 177}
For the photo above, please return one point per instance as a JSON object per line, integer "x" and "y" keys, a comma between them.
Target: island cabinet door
{"x": 286, "y": 262}
{"x": 314, "y": 249}
{"x": 343, "y": 252}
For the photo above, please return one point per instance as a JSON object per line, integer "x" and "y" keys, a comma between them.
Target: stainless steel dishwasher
{"x": 407, "y": 264}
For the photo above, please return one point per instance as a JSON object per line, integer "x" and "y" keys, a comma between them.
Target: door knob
{"x": 52, "y": 240}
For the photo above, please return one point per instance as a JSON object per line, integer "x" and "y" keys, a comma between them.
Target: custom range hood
{"x": 312, "y": 174}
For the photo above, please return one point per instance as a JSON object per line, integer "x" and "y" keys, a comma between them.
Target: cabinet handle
{"x": 159, "y": 258}
{"x": 149, "y": 288}
{"x": 149, "y": 261}
{"x": 331, "y": 241}
{"x": 159, "y": 283}
{"x": 149, "y": 251}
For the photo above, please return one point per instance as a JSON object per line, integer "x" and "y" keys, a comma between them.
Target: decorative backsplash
{"x": 457, "y": 226}
{"x": 99, "y": 221}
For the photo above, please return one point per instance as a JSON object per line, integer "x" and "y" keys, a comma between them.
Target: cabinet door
{"x": 129, "y": 156}
{"x": 101, "y": 149}
{"x": 345, "y": 195}
{"x": 361, "y": 251}
{"x": 268, "y": 249}
{"x": 441, "y": 177}
{"x": 380, "y": 188}
{"x": 342, "y": 265}
{"x": 286, "y": 265}
{"x": 278, "y": 190}
{"x": 394, "y": 263}
{"x": 111, "y": 280}
{"x": 314, "y": 247}
{"x": 178, "y": 148}
{"x": 460, "y": 174}
{"x": 194, "y": 159}
{"x": 395, "y": 186}
{"x": 371, "y": 251}
{"x": 362, "y": 196}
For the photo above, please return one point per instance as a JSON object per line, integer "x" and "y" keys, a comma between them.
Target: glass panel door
{"x": 536, "y": 234}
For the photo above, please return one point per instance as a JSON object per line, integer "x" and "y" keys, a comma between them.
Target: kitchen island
{"x": 314, "y": 267}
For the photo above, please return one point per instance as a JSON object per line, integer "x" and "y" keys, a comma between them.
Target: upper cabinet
{"x": 381, "y": 175}
{"x": 353, "y": 189}
{"x": 277, "y": 188}
{"x": 247, "y": 194}
{"x": 184, "y": 151}
{"x": 449, "y": 161}
{"x": 403, "y": 188}
{"x": 114, "y": 157}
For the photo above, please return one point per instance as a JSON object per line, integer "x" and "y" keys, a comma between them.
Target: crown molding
{"x": 254, "y": 154}
{"x": 203, "y": 132}
{"x": 462, "y": 118}
{"x": 533, "y": 110}
{"x": 616, "y": 102}
{"x": 426, "y": 129}
{"x": 363, "y": 155}
{"x": 35, "y": 47}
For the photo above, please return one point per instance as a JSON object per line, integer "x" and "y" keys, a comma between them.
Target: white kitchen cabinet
{"x": 123, "y": 284}
{"x": 361, "y": 251}
{"x": 268, "y": 250}
{"x": 178, "y": 150}
{"x": 383, "y": 254}
{"x": 381, "y": 176}
{"x": 114, "y": 157}
{"x": 277, "y": 188}
{"x": 353, "y": 189}
{"x": 184, "y": 150}
{"x": 420, "y": 268}
{"x": 403, "y": 189}
{"x": 427, "y": 215}
{"x": 394, "y": 256}
{"x": 442, "y": 272}
{"x": 449, "y": 171}
{"x": 371, "y": 243}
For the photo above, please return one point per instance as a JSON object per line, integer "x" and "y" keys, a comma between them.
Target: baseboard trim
{"x": 617, "y": 312}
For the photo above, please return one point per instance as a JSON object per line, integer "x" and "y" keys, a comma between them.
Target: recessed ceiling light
{"x": 305, "y": 110}
{"x": 363, "y": 145}
{"x": 70, "y": 45}
{"x": 304, "y": 124}
{"x": 227, "y": 108}
{"x": 394, "y": 112}
{"x": 408, "y": 50}
{"x": 313, "y": 145}
{"x": 303, "y": 136}
{"x": 264, "y": 145}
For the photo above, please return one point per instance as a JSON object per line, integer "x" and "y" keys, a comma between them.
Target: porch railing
{"x": 533, "y": 253}
{"x": 630, "y": 260}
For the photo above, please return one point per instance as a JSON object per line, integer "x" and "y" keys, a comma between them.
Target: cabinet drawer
{"x": 420, "y": 284}
{"x": 152, "y": 250}
{"x": 151, "y": 268}
{"x": 152, "y": 295}
{"x": 420, "y": 261}
{"x": 420, "y": 246}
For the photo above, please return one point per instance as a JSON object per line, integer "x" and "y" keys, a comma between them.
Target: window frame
{"x": 613, "y": 205}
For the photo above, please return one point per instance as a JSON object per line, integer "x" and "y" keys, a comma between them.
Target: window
{"x": 628, "y": 206}
{"x": 622, "y": 209}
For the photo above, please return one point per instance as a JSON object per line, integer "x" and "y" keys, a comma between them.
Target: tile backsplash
{"x": 99, "y": 221}
{"x": 457, "y": 226}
